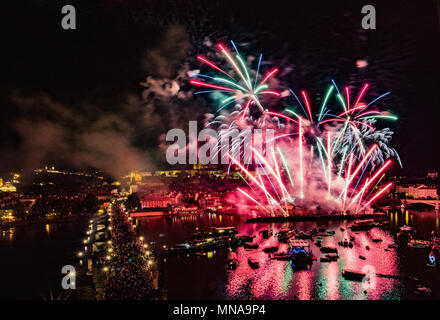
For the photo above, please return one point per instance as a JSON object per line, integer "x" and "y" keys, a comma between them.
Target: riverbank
{"x": 315, "y": 218}
{"x": 41, "y": 248}
{"x": 50, "y": 220}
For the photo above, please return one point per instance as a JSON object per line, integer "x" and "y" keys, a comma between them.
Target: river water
{"x": 206, "y": 277}
{"x": 32, "y": 257}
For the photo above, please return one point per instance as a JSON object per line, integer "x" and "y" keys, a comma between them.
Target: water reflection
{"x": 274, "y": 279}
{"x": 436, "y": 222}
{"x": 7, "y": 236}
{"x": 324, "y": 280}
{"x": 42, "y": 249}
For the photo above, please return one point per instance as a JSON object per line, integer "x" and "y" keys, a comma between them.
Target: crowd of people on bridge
{"x": 129, "y": 276}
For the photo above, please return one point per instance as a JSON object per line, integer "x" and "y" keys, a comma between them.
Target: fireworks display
{"x": 332, "y": 160}
{"x": 239, "y": 85}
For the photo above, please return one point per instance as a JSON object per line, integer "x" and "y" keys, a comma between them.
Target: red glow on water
{"x": 194, "y": 277}
{"x": 275, "y": 279}
{"x": 332, "y": 275}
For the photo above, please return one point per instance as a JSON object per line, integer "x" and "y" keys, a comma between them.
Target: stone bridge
{"x": 434, "y": 203}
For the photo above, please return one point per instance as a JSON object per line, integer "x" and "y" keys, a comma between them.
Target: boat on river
{"x": 353, "y": 275}
{"x": 265, "y": 234}
{"x": 300, "y": 253}
{"x": 280, "y": 256}
{"x": 250, "y": 246}
{"x": 363, "y": 225}
{"x": 253, "y": 263}
{"x": 330, "y": 257}
{"x": 406, "y": 230}
{"x": 285, "y": 234}
{"x": 345, "y": 243}
{"x": 241, "y": 239}
{"x": 200, "y": 245}
{"x": 303, "y": 235}
{"x": 419, "y": 244}
{"x": 270, "y": 249}
{"x": 329, "y": 250}
{"x": 215, "y": 232}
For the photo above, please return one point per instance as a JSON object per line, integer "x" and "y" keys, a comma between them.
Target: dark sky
{"x": 74, "y": 98}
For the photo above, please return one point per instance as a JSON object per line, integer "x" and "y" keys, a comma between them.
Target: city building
{"x": 210, "y": 202}
{"x": 157, "y": 201}
{"x": 147, "y": 177}
{"x": 7, "y": 215}
{"x": 8, "y": 187}
{"x": 418, "y": 191}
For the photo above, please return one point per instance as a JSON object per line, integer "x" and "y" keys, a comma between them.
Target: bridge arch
{"x": 432, "y": 203}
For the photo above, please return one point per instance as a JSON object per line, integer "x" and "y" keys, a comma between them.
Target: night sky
{"x": 79, "y": 98}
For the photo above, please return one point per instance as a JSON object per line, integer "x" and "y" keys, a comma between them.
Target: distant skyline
{"x": 81, "y": 98}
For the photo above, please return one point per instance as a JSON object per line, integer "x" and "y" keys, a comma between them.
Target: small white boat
{"x": 419, "y": 244}
{"x": 408, "y": 229}
{"x": 423, "y": 290}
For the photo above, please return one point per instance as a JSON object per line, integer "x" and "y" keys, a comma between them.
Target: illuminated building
{"x": 8, "y": 187}
{"x": 52, "y": 170}
{"x": 7, "y": 215}
{"x": 157, "y": 201}
{"x": 209, "y": 202}
{"x": 139, "y": 177}
{"x": 133, "y": 188}
{"x": 15, "y": 178}
{"x": 187, "y": 209}
{"x": 418, "y": 191}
